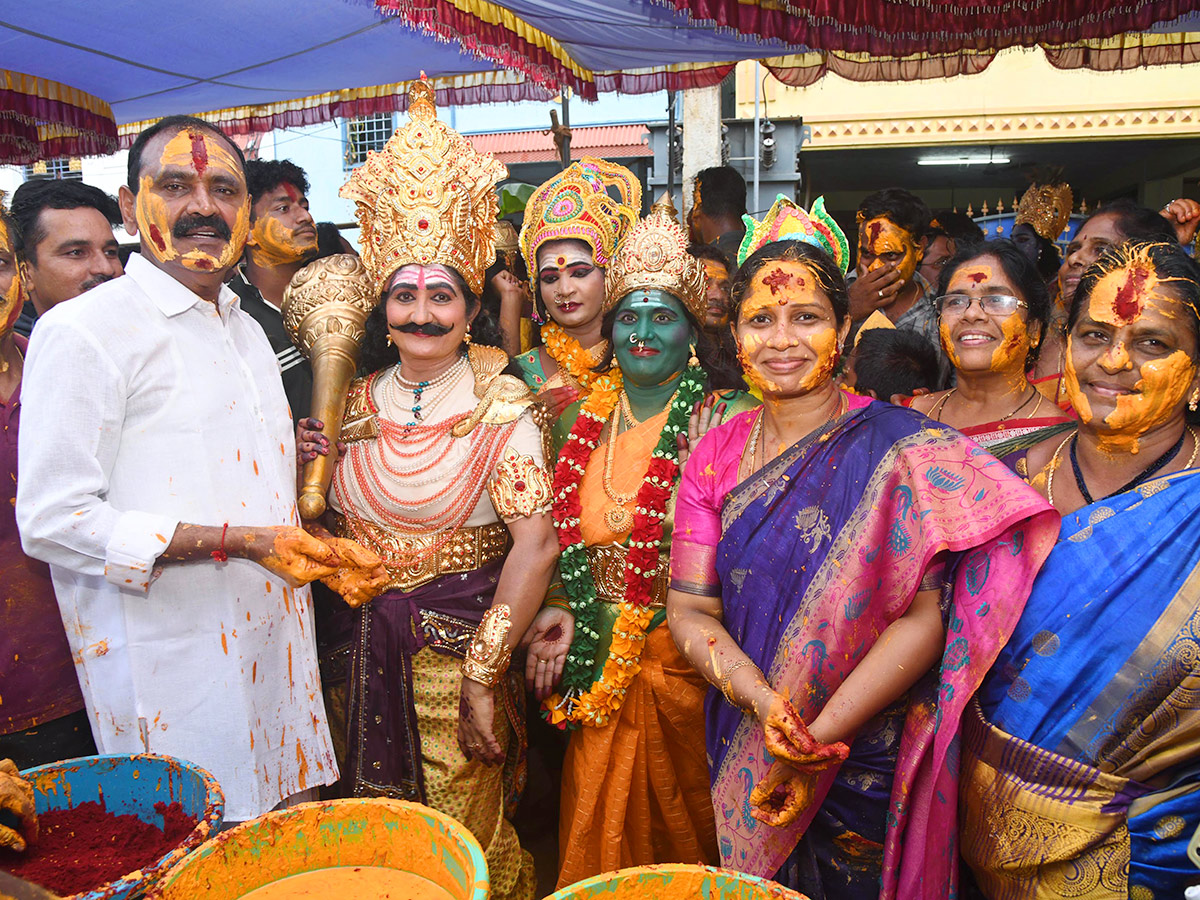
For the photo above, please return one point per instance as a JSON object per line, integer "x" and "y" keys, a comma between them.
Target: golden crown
{"x": 575, "y": 204}
{"x": 1047, "y": 207}
{"x": 654, "y": 256}
{"x": 428, "y": 198}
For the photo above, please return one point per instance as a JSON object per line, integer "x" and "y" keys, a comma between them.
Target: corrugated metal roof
{"x": 608, "y": 141}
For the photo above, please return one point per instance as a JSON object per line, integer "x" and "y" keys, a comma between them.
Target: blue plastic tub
{"x": 133, "y": 784}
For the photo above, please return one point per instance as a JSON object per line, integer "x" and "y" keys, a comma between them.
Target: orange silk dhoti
{"x": 636, "y": 791}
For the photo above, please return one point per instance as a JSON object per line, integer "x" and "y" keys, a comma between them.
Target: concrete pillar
{"x": 701, "y": 137}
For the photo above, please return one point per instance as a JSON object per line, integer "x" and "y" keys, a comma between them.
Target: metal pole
{"x": 670, "y": 143}
{"x": 754, "y": 140}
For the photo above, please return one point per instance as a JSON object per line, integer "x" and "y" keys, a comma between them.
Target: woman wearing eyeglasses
{"x": 992, "y": 311}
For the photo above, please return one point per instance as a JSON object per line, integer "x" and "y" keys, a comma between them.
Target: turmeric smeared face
{"x": 786, "y": 331}
{"x": 984, "y": 323}
{"x": 192, "y": 208}
{"x": 284, "y": 231}
{"x": 1130, "y": 357}
{"x": 882, "y": 242}
{"x": 10, "y": 282}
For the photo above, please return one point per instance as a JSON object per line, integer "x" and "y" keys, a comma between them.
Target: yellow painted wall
{"x": 1019, "y": 97}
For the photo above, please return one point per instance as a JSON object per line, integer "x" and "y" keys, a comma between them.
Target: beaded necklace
{"x": 583, "y": 701}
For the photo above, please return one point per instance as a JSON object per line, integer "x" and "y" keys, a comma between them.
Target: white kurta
{"x": 144, "y": 406}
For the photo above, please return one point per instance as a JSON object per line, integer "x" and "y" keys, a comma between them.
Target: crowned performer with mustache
{"x": 444, "y": 479}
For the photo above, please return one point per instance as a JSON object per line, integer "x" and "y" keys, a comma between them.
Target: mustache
{"x": 185, "y": 227}
{"x": 95, "y": 282}
{"x": 431, "y": 329}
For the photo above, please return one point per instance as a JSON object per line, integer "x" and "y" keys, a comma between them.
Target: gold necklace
{"x": 616, "y": 517}
{"x": 1053, "y": 466}
{"x": 936, "y": 412}
{"x": 758, "y": 435}
{"x": 627, "y": 410}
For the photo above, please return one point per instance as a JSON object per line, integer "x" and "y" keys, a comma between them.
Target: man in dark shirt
{"x": 718, "y": 204}
{"x": 283, "y": 239}
{"x": 42, "y": 717}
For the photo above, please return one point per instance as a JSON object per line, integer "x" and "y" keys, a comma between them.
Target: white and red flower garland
{"x": 582, "y": 701}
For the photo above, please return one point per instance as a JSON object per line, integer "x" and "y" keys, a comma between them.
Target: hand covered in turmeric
{"x": 780, "y": 797}
{"x": 361, "y": 575}
{"x": 787, "y": 738}
{"x": 16, "y": 796}
{"x": 291, "y": 553}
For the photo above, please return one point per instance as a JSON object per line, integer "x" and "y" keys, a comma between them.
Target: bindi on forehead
{"x": 874, "y": 227}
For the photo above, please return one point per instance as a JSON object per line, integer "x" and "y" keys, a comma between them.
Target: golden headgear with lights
{"x": 1047, "y": 207}
{"x": 427, "y": 199}
{"x": 653, "y": 256}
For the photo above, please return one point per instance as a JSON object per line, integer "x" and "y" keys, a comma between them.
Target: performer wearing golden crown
{"x": 572, "y": 228}
{"x": 443, "y": 471}
{"x": 635, "y": 780}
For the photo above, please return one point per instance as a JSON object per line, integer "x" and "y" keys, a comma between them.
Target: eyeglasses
{"x": 991, "y": 304}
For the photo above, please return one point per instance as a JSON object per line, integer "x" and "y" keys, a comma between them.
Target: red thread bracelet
{"x": 219, "y": 554}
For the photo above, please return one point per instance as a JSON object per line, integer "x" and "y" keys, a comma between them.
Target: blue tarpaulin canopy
{"x": 73, "y": 73}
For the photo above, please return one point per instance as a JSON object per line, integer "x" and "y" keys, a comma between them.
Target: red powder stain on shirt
{"x": 199, "y": 152}
{"x": 1127, "y": 303}
{"x": 80, "y": 849}
{"x": 224, "y": 644}
{"x": 157, "y": 238}
{"x": 254, "y": 672}
{"x": 256, "y": 467}
{"x": 303, "y": 761}
{"x": 161, "y": 538}
{"x": 239, "y": 456}
{"x": 282, "y": 448}
{"x": 252, "y": 740}
{"x": 776, "y": 280}
{"x": 268, "y": 587}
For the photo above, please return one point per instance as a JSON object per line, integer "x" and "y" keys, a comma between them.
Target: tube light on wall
{"x": 978, "y": 159}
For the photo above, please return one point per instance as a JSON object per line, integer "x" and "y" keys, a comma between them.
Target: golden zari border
{"x": 608, "y": 572}
{"x": 411, "y": 560}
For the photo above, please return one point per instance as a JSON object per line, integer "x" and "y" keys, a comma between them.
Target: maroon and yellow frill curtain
{"x": 40, "y": 119}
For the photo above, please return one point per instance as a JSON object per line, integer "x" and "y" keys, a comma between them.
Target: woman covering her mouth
{"x": 1083, "y": 741}
{"x": 844, "y": 571}
{"x": 572, "y": 228}
{"x": 992, "y": 310}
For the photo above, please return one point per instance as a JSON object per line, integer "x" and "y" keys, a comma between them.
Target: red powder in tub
{"x": 82, "y": 848}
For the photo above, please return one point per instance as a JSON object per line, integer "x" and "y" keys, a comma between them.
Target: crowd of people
{"x": 872, "y": 576}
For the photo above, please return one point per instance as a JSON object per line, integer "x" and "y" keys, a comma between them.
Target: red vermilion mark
{"x": 873, "y": 229}
{"x": 292, "y": 193}
{"x": 976, "y": 276}
{"x": 199, "y": 152}
{"x": 1127, "y": 303}
{"x": 156, "y": 236}
{"x": 204, "y": 264}
{"x": 776, "y": 280}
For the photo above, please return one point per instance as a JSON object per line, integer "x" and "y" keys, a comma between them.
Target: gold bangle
{"x": 726, "y": 679}
{"x": 488, "y": 656}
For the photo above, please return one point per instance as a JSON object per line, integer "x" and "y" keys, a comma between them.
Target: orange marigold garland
{"x": 574, "y": 359}
{"x": 583, "y": 701}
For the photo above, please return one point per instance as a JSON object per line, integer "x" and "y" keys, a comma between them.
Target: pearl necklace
{"x": 418, "y": 388}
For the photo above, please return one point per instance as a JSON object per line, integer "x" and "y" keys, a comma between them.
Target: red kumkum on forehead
{"x": 778, "y": 279}
{"x": 291, "y": 192}
{"x": 1127, "y": 301}
{"x": 199, "y": 152}
{"x": 874, "y": 227}
{"x": 977, "y": 277}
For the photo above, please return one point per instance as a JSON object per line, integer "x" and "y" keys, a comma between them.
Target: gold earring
{"x": 389, "y": 339}
{"x": 693, "y": 360}
{"x": 467, "y": 335}
{"x": 1195, "y": 401}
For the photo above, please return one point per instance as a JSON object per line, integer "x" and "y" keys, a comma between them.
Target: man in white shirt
{"x": 158, "y": 479}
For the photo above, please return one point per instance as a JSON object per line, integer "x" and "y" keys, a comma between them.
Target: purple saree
{"x": 818, "y": 553}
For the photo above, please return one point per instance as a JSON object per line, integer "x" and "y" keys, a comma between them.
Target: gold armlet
{"x": 488, "y": 657}
{"x": 520, "y": 487}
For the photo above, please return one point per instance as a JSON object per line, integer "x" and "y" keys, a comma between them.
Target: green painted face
{"x": 651, "y": 337}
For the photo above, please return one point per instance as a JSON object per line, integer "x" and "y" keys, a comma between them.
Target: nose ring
{"x": 633, "y": 339}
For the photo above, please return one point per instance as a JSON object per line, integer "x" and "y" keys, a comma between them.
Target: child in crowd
{"x": 886, "y": 362}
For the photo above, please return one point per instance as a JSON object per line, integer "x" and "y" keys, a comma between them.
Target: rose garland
{"x": 582, "y": 701}
{"x": 573, "y": 359}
